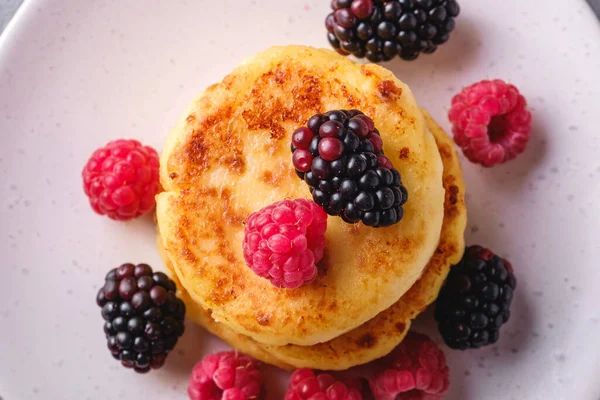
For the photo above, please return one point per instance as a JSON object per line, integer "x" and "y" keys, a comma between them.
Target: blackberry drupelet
{"x": 143, "y": 317}
{"x": 475, "y": 300}
{"x": 380, "y": 29}
{"x": 339, "y": 155}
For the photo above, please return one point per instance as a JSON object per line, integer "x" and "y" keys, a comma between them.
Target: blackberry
{"x": 143, "y": 317}
{"x": 382, "y": 29}
{"x": 339, "y": 155}
{"x": 475, "y": 300}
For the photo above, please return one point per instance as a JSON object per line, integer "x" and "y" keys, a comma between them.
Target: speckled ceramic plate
{"x": 75, "y": 74}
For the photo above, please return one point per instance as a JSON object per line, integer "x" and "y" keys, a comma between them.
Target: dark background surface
{"x": 596, "y": 6}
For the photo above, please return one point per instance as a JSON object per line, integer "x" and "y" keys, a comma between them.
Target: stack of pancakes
{"x": 230, "y": 156}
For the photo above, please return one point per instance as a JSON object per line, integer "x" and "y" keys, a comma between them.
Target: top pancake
{"x": 230, "y": 156}
{"x": 378, "y": 336}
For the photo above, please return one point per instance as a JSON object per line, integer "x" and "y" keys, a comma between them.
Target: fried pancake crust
{"x": 230, "y": 156}
{"x": 378, "y": 336}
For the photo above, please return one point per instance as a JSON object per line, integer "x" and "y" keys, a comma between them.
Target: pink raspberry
{"x": 491, "y": 122}
{"x": 306, "y": 385}
{"x": 415, "y": 370}
{"x": 227, "y": 375}
{"x": 121, "y": 179}
{"x": 284, "y": 241}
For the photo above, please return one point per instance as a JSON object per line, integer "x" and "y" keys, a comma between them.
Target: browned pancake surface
{"x": 230, "y": 156}
{"x": 380, "y": 335}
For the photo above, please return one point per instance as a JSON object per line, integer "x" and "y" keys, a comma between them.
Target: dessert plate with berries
{"x": 309, "y": 199}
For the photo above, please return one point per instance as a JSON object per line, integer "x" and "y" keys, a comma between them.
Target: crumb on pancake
{"x": 263, "y": 319}
{"x": 404, "y": 153}
{"x": 388, "y": 89}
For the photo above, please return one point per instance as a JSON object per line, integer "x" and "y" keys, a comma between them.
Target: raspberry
{"x": 305, "y": 384}
{"x": 143, "y": 317}
{"x": 284, "y": 241}
{"x": 339, "y": 155}
{"x": 491, "y": 122}
{"x": 121, "y": 179}
{"x": 382, "y": 29}
{"x": 475, "y": 300}
{"x": 415, "y": 370}
{"x": 227, "y": 375}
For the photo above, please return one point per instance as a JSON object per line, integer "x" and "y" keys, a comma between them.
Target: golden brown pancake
{"x": 378, "y": 336}
{"x": 230, "y": 156}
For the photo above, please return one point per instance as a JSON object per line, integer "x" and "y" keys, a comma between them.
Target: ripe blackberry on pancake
{"x": 339, "y": 155}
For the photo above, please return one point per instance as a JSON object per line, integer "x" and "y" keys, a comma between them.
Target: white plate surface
{"x": 76, "y": 74}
